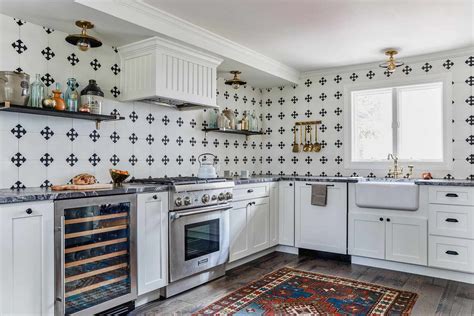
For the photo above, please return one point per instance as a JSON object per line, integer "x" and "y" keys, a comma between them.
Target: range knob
{"x": 205, "y": 198}
{"x": 221, "y": 197}
{"x": 228, "y": 196}
{"x": 178, "y": 202}
{"x": 187, "y": 201}
{"x": 214, "y": 197}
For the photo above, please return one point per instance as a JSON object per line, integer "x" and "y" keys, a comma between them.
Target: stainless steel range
{"x": 198, "y": 230}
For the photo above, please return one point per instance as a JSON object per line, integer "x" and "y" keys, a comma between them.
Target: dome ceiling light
{"x": 391, "y": 64}
{"x": 83, "y": 41}
{"x": 235, "y": 82}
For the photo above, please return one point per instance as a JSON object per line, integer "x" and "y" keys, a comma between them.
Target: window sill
{"x": 385, "y": 165}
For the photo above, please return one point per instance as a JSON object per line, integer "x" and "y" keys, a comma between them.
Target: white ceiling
{"x": 316, "y": 34}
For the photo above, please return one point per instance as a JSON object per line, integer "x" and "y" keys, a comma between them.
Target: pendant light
{"x": 83, "y": 41}
{"x": 235, "y": 82}
{"x": 391, "y": 64}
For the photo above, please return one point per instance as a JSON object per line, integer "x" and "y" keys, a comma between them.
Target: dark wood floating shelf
{"x": 50, "y": 112}
{"x": 232, "y": 131}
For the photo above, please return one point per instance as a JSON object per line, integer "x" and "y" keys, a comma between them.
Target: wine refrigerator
{"x": 95, "y": 254}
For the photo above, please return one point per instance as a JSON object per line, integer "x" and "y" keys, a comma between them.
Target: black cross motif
{"x": 470, "y": 140}
{"x": 470, "y": 81}
{"x": 115, "y": 113}
{"x": 323, "y": 112}
{"x": 133, "y": 116}
{"x": 150, "y": 160}
{"x": 254, "y": 101}
{"x": 370, "y": 74}
{"x": 268, "y": 131}
{"x": 281, "y": 130}
{"x": 470, "y": 61}
{"x": 205, "y": 142}
{"x": 323, "y": 160}
{"x": 338, "y": 79}
{"x": 294, "y": 160}
{"x": 354, "y": 76}
{"x": 179, "y": 160}
{"x": 308, "y": 98}
{"x": 46, "y": 160}
{"x": 133, "y": 160}
{"x": 192, "y": 160}
{"x": 407, "y": 69}
{"x": 72, "y": 134}
{"x": 236, "y": 97}
{"x": 281, "y": 101}
{"x": 308, "y": 83}
{"x": 19, "y": 69}
{"x": 114, "y": 137}
{"x": 338, "y": 127}
{"x": 387, "y": 73}
{"x": 94, "y": 135}
{"x": 245, "y": 160}
{"x": 150, "y": 118}
{"x": 269, "y": 145}
{"x": 281, "y": 145}
{"x": 470, "y": 100}
{"x": 245, "y": 144}
{"x": 165, "y": 140}
{"x": 150, "y": 139}
{"x": 323, "y": 96}
{"x": 448, "y": 64}
{"x": 268, "y": 102}
{"x": 281, "y": 115}
{"x": 226, "y": 95}
{"x": 294, "y": 115}
{"x": 71, "y": 160}
{"x": 338, "y": 143}
{"x": 114, "y": 160}
{"x": 354, "y": 174}
{"x": 17, "y": 186}
{"x": 426, "y": 67}
{"x": 338, "y": 95}
{"x": 322, "y": 128}
{"x": 204, "y": 124}
{"x": 48, "y": 30}
{"x": 323, "y": 144}
{"x": 268, "y": 89}
{"x": 245, "y": 99}
{"x": 20, "y": 22}
{"x": 94, "y": 160}
{"x": 47, "y": 79}
{"x": 308, "y": 113}
{"x": 281, "y": 159}
{"x": 226, "y": 160}
{"x": 236, "y": 144}
{"x": 308, "y": 160}
{"x": 46, "y": 184}
{"x": 308, "y": 174}
{"x": 179, "y": 141}
{"x": 192, "y": 141}
{"x": 470, "y": 159}
{"x": 179, "y": 121}
{"x": 95, "y": 64}
{"x": 294, "y": 99}
{"x": 338, "y": 160}
{"x": 226, "y": 143}
{"x": 268, "y": 116}
{"x": 269, "y": 160}
{"x": 236, "y": 112}
{"x": 371, "y": 175}
{"x": 115, "y": 69}
{"x": 165, "y": 160}
{"x": 18, "y": 131}
{"x": 338, "y": 174}
{"x": 448, "y": 177}
{"x": 115, "y": 91}
{"x": 192, "y": 123}
{"x": 215, "y": 142}
{"x": 48, "y": 53}
{"x": 18, "y": 159}
{"x": 133, "y": 138}
{"x": 322, "y": 81}
{"x": 73, "y": 60}
{"x": 47, "y": 132}
{"x": 19, "y": 46}
{"x": 254, "y": 145}
{"x": 338, "y": 111}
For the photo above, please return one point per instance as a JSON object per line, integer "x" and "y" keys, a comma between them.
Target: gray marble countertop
{"x": 456, "y": 183}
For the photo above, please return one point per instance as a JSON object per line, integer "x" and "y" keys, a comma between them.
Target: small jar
{"x": 92, "y": 98}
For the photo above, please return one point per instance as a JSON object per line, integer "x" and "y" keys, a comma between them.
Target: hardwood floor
{"x": 436, "y": 296}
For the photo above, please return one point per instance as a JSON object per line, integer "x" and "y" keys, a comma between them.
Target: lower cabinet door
{"x": 366, "y": 235}
{"x": 239, "y": 230}
{"x": 27, "y": 259}
{"x": 406, "y": 239}
{"x": 274, "y": 216}
{"x": 286, "y": 213}
{"x": 259, "y": 225}
{"x": 152, "y": 241}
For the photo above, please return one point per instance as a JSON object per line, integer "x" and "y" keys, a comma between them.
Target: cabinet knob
{"x": 29, "y": 211}
{"x": 291, "y": 184}
{"x": 388, "y": 219}
{"x": 155, "y": 197}
{"x": 381, "y": 219}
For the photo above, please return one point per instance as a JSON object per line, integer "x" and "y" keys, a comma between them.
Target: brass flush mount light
{"x": 391, "y": 64}
{"x": 235, "y": 82}
{"x": 83, "y": 41}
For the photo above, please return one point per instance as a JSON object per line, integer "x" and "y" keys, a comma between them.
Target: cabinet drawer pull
{"x": 388, "y": 219}
{"x": 452, "y": 220}
{"x": 249, "y": 190}
{"x": 381, "y": 219}
{"x": 451, "y": 195}
{"x": 29, "y": 211}
{"x": 155, "y": 197}
{"x": 452, "y": 253}
{"x": 328, "y": 185}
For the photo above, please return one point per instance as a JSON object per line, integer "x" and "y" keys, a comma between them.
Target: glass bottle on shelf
{"x": 245, "y": 122}
{"x": 71, "y": 96}
{"x": 213, "y": 115}
{"x": 38, "y": 92}
{"x": 254, "y": 121}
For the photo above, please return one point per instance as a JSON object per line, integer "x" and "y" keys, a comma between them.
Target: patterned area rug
{"x": 289, "y": 292}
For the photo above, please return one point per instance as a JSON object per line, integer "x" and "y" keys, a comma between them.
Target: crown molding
{"x": 140, "y": 13}
{"x": 407, "y": 60}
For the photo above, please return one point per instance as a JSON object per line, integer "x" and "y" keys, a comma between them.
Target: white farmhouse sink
{"x": 393, "y": 195}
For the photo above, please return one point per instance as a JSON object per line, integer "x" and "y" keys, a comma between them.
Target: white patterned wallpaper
{"x": 321, "y": 98}
{"x": 152, "y": 141}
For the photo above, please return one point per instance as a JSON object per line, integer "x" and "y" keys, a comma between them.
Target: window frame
{"x": 445, "y": 164}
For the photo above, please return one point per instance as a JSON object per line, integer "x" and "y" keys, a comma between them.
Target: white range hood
{"x": 163, "y": 72}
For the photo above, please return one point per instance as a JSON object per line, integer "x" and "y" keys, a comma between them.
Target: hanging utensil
{"x": 310, "y": 145}
{"x": 306, "y": 145}
{"x": 296, "y": 147}
{"x": 301, "y": 138}
{"x": 316, "y": 146}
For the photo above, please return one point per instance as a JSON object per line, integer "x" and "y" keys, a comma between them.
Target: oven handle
{"x": 176, "y": 215}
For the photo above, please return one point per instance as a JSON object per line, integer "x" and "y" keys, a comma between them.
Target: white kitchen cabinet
{"x": 274, "y": 216}
{"x": 366, "y": 235}
{"x": 152, "y": 241}
{"x": 406, "y": 239}
{"x": 286, "y": 213}
{"x": 249, "y": 227}
{"x": 321, "y": 228}
{"x": 27, "y": 259}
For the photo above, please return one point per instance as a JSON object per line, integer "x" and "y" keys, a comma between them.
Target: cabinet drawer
{"x": 451, "y": 253}
{"x": 251, "y": 191}
{"x": 452, "y": 195}
{"x": 451, "y": 221}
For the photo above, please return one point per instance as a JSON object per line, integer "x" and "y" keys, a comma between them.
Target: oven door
{"x": 199, "y": 240}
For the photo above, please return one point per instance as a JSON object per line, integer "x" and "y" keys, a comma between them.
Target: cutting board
{"x": 96, "y": 186}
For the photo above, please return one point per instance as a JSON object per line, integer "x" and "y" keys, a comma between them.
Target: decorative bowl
{"x": 118, "y": 176}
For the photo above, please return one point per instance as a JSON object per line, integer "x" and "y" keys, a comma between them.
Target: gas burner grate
{"x": 177, "y": 180}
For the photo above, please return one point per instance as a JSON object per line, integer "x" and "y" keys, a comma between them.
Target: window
{"x": 409, "y": 121}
